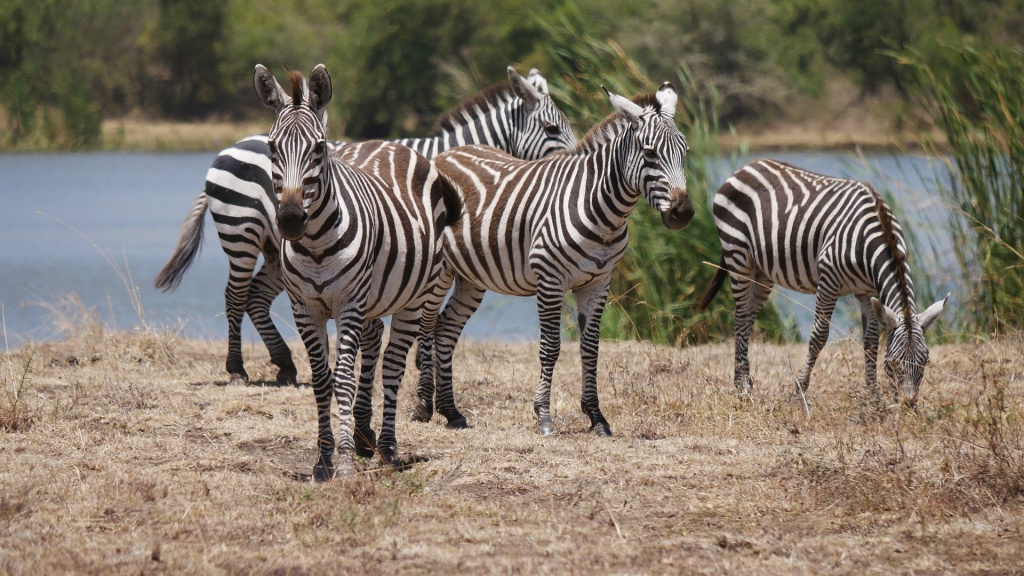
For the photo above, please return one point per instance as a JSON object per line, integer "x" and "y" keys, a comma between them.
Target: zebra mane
{"x": 298, "y": 87}
{"x": 609, "y": 127}
{"x": 899, "y": 257}
{"x": 488, "y": 97}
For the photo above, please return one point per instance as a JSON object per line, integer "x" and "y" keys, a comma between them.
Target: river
{"x": 84, "y": 234}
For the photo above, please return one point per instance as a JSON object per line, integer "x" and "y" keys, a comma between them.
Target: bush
{"x": 977, "y": 104}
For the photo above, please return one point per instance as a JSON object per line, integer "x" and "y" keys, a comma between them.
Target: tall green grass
{"x": 976, "y": 97}
{"x": 657, "y": 285}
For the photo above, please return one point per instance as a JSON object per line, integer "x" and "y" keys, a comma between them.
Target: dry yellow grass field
{"x": 129, "y": 453}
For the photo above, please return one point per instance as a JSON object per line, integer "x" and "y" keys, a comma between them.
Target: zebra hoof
{"x": 287, "y": 377}
{"x": 239, "y": 379}
{"x": 423, "y": 412}
{"x": 389, "y": 456}
{"x": 323, "y": 470}
{"x": 602, "y": 430}
{"x": 366, "y": 442}
{"x": 546, "y": 427}
{"x": 457, "y": 422}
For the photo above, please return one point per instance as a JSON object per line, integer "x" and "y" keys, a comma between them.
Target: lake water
{"x": 89, "y": 231}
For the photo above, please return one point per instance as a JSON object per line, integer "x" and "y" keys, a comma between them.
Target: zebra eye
{"x": 552, "y": 130}
{"x": 273, "y": 147}
{"x": 650, "y": 153}
{"x": 318, "y": 148}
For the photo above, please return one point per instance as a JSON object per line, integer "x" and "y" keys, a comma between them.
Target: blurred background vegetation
{"x": 948, "y": 67}
{"x": 67, "y": 64}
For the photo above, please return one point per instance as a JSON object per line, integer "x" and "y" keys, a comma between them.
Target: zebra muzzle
{"x": 291, "y": 221}
{"x": 679, "y": 214}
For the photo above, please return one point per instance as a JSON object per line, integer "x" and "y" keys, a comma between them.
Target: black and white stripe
{"x": 555, "y": 225}
{"x": 519, "y": 117}
{"x": 361, "y": 239}
{"x": 779, "y": 224}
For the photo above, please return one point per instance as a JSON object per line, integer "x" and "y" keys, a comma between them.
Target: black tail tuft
{"x": 190, "y": 240}
{"x": 716, "y": 285}
{"x": 452, "y": 201}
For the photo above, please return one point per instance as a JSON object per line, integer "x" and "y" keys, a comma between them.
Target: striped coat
{"x": 518, "y": 116}
{"x": 781, "y": 225}
{"x": 360, "y": 239}
{"x": 555, "y": 225}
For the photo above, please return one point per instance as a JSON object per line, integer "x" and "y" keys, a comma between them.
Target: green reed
{"x": 976, "y": 97}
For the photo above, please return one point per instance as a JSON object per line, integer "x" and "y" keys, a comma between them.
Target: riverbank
{"x": 128, "y": 452}
{"x": 843, "y": 119}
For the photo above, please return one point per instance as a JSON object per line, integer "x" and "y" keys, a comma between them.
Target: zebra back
{"x": 518, "y": 117}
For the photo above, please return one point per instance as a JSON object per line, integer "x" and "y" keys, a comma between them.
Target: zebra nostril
{"x": 291, "y": 221}
{"x": 678, "y": 215}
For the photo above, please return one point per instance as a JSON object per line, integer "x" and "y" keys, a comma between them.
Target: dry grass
{"x": 157, "y": 135}
{"x": 128, "y": 453}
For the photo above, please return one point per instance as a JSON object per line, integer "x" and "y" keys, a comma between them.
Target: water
{"x": 89, "y": 231}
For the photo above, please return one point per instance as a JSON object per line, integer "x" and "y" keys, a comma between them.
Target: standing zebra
{"x": 782, "y": 225}
{"x": 519, "y": 117}
{"x": 356, "y": 245}
{"x": 557, "y": 224}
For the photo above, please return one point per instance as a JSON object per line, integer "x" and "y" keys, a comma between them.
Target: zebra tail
{"x": 453, "y": 205}
{"x": 716, "y": 285}
{"x": 190, "y": 240}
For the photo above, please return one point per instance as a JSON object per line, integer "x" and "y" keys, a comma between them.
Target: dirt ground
{"x": 130, "y": 453}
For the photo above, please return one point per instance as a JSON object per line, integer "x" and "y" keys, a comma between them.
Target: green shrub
{"x": 977, "y": 104}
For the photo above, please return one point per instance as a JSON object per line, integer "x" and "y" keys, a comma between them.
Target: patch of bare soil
{"x": 129, "y": 453}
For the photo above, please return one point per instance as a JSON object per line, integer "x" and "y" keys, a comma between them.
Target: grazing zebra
{"x": 357, "y": 245}
{"x": 519, "y": 117}
{"x": 557, "y": 224}
{"x": 779, "y": 224}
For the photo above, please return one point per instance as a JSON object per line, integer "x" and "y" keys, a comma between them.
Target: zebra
{"x": 779, "y": 224}
{"x": 518, "y": 116}
{"x": 558, "y": 224}
{"x": 356, "y": 245}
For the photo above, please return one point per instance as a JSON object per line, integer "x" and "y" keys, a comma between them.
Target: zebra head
{"x": 298, "y": 143}
{"x": 654, "y": 159}
{"x": 906, "y": 352}
{"x": 539, "y": 127}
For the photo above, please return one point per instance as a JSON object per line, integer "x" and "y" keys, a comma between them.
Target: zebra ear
{"x": 320, "y": 88}
{"x": 884, "y": 315}
{"x": 538, "y": 81}
{"x": 667, "y": 97}
{"x": 928, "y": 316}
{"x": 267, "y": 88}
{"x": 525, "y": 90}
{"x": 626, "y": 107}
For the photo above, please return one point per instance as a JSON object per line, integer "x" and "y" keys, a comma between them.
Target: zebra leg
{"x": 742, "y": 292}
{"x": 264, "y": 289}
{"x": 349, "y": 324}
{"x": 824, "y": 305}
{"x": 872, "y": 329}
{"x": 314, "y": 337}
{"x": 236, "y": 298}
{"x": 405, "y": 326}
{"x": 464, "y": 302}
{"x": 549, "y": 308}
{"x": 426, "y": 360}
{"x": 590, "y": 302}
{"x": 365, "y": 440}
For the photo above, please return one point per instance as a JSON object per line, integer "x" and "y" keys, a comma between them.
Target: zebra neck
{"x": 890, "y": 292}
{"x": 607, "y": 196}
